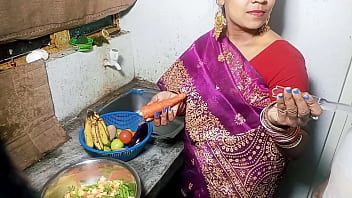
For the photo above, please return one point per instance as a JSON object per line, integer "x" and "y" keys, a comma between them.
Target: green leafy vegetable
{"x": 107, "y": 188}
{"x": 104, "y": 188}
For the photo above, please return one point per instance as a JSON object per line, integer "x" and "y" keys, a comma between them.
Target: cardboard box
{"x": 28, "y": 125}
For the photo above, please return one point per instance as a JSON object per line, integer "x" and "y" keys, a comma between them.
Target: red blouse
{"x": 281, "y": 64}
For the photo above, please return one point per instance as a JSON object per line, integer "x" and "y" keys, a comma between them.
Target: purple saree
{"x": 227, "y": 152}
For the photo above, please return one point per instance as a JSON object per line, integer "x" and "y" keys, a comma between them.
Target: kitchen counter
{"x": 156, "y": 165}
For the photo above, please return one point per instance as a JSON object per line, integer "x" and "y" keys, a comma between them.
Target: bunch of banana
{"x": 95, "y": 131}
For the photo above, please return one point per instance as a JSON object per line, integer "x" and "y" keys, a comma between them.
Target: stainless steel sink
{"x": 132, "y": 100}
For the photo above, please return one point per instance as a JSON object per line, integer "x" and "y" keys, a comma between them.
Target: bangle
{"x": 266, "y": 123}
{"x": 284, "y": 138}
{"x": 289, "y": 136}
{"x": 293, "y": 144}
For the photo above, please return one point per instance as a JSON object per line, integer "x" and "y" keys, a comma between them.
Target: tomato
{"x": 125, "y": 136}
{"x": 132, "y": 132}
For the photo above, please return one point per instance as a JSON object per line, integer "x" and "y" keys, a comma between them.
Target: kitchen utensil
{"x": 324, "y": 103}
{"x": 82, "y": 47}
{"x": 121, "y": 120}
{"x": 333, "y": 106}
{"x": 148, "y": 111}
{"x": 87, "y": 172}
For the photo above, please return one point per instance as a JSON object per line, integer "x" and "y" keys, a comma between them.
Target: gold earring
{"x": 265, "y": 27}
{"x": 219, "y": 24}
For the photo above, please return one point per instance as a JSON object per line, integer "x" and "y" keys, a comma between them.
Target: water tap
{"x": 112, "y": 62}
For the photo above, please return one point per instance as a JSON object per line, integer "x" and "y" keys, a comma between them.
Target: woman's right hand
{"x": 168, "y": 113}
{"x": 293, "y": 108}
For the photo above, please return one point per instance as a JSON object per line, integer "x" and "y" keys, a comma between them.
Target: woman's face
{"x": 247, "y": 14}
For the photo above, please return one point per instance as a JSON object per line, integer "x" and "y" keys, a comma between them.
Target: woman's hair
{"x": 13, "y": 183}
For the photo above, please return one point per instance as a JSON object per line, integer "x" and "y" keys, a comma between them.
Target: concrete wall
{"x": 163, "y": 29}
{"x": 79, "y": 79}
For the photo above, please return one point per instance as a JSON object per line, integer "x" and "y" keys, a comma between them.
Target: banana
{"x": 105, "y": 127}
{"x": 88, "y": 132}
{"x": 103, "y": 132}
{"x": 95, "y": 115}
{"x": 96, "y": 137}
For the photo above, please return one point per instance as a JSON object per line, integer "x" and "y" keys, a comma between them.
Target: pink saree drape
{"x": 227, "y": 152}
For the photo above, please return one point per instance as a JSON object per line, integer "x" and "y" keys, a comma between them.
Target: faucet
{"x": 112, "y": 62}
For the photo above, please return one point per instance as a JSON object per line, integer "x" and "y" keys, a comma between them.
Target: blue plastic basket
{"x": 121, "y": 120}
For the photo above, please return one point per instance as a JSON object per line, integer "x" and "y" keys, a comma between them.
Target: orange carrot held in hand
{"x": 148, "y": 111}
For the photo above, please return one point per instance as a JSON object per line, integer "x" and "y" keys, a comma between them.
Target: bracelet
{"x": 289, "y": 138}
{"x": 290, "y": 135}
{"x": 266, "y": 123}
{"x": 293, "y": 144}
{"x": 292, "y": 141}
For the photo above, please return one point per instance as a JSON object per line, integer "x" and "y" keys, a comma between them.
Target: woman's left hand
{"x": 293, "y": 108}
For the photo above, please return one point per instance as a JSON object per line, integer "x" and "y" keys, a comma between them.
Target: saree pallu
{"x": 226, "y": 150}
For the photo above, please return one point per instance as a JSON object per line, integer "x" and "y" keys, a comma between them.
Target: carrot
{"x": 148, "y": 111}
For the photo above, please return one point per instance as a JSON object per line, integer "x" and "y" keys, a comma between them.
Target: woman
{"x": 238, "y": 136}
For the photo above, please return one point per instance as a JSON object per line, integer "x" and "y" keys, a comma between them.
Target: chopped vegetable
{"x": 103, "y": 189}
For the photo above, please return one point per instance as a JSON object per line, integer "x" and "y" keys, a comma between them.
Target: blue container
{"x": 121, "y": 120}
